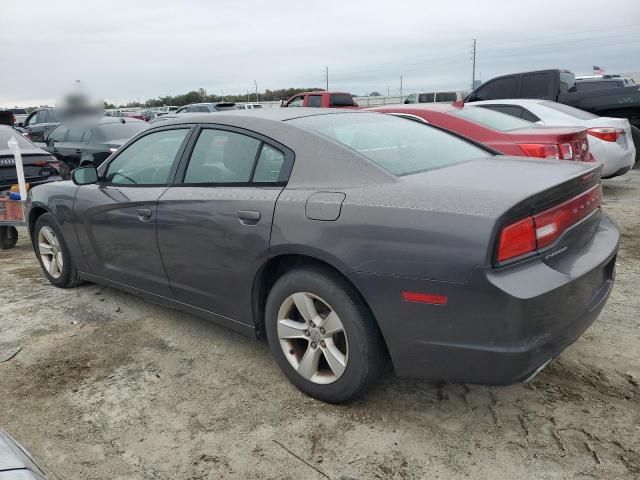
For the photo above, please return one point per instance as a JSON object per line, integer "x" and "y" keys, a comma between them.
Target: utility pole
{"x": 388, "y": 90}
{"x": 473, "y": 74}
{"x": 400, "y": 88}
{"x": 325, "y": 77}
{"x": 255, "y": 82}
{"x": 248, "y": 95}
{"x": 222, "y": 91}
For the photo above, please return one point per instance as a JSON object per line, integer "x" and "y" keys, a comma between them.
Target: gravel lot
{"x": 108, "y": 386}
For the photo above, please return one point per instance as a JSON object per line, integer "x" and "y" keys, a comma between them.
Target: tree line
{"x": 199, "y": 96}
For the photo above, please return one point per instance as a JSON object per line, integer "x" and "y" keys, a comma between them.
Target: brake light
{"x": 540, "y": 150}
{"x": 542, "y": 229}
{"x": 41, "y": 163}
{"x": 576, "y": 150}
{"x": 606, "y": 133}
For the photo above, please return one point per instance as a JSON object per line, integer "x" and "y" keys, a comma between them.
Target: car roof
{"x": 509, "y": 101}
{"x": 433, "y": 107}
{"x": 92, "y": 121}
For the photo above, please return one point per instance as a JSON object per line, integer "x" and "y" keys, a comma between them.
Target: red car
{"x": 504, "y": 133}
{"x": 321, "y": 99}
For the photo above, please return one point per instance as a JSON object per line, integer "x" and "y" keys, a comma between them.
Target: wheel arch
{"x": 35, "y": 212}
{"x": 278, "y": 265}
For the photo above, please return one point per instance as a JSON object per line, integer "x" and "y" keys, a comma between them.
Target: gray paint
{"x": 432, "y": 232}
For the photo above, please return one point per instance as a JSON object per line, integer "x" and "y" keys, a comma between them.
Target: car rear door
{"x": 116, "y": 218}
{"x": 214, "y": 225}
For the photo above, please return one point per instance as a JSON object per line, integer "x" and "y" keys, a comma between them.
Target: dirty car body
{"x": 424, "y": 248}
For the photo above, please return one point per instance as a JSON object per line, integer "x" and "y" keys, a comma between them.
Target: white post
{"x": 13, "y": 146}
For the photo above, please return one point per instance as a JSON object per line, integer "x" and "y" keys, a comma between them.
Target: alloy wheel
{"x": 50, "y": 252}
{"x": 312, "y": 338}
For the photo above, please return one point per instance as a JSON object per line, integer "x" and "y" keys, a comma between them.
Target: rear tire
{"x": 635, "y": 135}
{"x": 8, "y": 237}
{"x": 346, "y": 357}
{"x": 53, "y": 253}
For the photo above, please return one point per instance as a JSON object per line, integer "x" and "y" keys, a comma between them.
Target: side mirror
{"x": 85, "y": 175}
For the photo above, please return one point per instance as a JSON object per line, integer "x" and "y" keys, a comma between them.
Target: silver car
{"x": 15, "y": 462}
{"x": 610, "y": 140}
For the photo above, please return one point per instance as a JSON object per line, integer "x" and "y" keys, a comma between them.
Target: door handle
{"x": 144, "y": 214}
{"x": 248, "y": 217}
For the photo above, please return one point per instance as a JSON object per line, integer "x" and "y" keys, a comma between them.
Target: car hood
{"x": 485, "y": 187}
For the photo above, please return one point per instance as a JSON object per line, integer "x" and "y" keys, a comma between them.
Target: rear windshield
{"x": 119, "y": 130}
{"x": 18, "y": 111}
{"x": 7, "y": 133}
{"x": 574, "y": 112}
{"x": 341, "y": 100}
{"x": 491, "y": 119}
{"x": 398, "y": 145}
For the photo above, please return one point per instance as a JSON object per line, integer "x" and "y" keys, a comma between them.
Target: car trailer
{"x": 12, "y": 209}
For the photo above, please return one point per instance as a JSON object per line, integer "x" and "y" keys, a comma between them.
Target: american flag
{"x": 598, "y": 70}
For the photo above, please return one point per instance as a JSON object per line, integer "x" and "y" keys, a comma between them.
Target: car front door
{"x": 116, "y": 218}
{"x": 214, "y": 227}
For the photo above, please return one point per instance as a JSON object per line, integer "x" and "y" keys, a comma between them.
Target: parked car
{"x": 602, "y": 82}
{"x": 82, "y": 141}
{"x": 610, "y": 140}
{"x": 321, "y": 99}
{"x": 248, "y": 106}
{"x": 560, "y": 86}
{"x": 39, "y": 123}
{"x": 206, "y": 107}
{"x": 15, "y": 461}
{"x": 344, "y": 237}
{"x": 39, "y": 166}
{"x": 434, "y": 97}
{"x": 503, "y": 133}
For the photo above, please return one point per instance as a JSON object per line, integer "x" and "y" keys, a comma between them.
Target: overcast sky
{"x": 139, "y": 49}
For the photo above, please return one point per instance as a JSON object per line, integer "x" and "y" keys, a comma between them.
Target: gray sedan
{"x": 345, "y": 238}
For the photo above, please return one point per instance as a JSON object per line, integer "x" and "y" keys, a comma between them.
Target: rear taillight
{"x": 542, "y": 229}
{"x": 607, "y": 134}
{"x": 41, "y": 163}
{"x": 575, "y": 150}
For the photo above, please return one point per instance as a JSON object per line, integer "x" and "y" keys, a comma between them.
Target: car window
{"x": 499, "y": 88}
{"x": 490, "y": 119}
{"x": 411, "y": 98}
{"x": 242, "y": 107}
{"x": 591, "y": 86}
{"x": 574, "y": 112}
{"x": 59, "y": 134}
{"x": 148, "y": 160}
{"x": 220, "y": 156}
{"x": 75, "y": 134}
{"x": 426, "y": 97}
{"x": 512, "y": 110}
{"x": 446, "y": 97}
{"x": 398, "y": 145}
{"x": 536, "y": 85}
{"x": 256, "y": 106}
{"x": 269, "y": 165}
{"x": 181, "y": 110}
{"x": 296, "y": 102}
{"x": 32, "y": 120}
{"x": 314, "y": 101}
{"x": 199, "y": 108}
{"x": 121, "y": 131}
{"x": 7, "y": 133}
{"x": 341, "y": 100}
{"x": 529, "y": 116}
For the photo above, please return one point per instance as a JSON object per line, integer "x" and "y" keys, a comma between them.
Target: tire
{"x": 359, "y": 344}
{"x": 65, "y": 276}
{"x": 8, "y": 237}
{"x": 635, "y": 135}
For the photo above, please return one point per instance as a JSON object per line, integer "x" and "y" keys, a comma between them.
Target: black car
{"x": 206, "y": 107}
{"x": 39, "y": 166}
{"x": 84, "y": 141}
{"x": 40, "y": 122}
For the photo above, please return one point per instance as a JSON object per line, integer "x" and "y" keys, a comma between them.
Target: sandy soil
{"x": 107, "y": 386}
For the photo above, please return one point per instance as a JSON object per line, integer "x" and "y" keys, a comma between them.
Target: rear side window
{"x": 121, "y": 131}
{"x": 269, "y": 165}
{"x": 446, "y": 97}
{"x": 398, "y": 145}
{"x": 59, "y": 134}
{"x": 499, "y": 88}
{"x": 426, "y": 97}
{"x": 341, "y": 100}
{"x": 220, "y": 156}
{"x": 536, "y": 85}
{"x": 148, "y": 160}
{"x": 314, "y": 101}
{"x": 75, "y": 135}
{"x": 490, "y": 119}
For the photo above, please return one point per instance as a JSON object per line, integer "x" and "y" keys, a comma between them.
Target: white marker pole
{"x": 13, "y": 146}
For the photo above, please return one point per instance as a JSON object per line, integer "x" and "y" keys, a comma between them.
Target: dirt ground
{"x": 108, "y": 386}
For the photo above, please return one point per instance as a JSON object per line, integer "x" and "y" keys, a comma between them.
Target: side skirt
{"x": 248, "y": 330}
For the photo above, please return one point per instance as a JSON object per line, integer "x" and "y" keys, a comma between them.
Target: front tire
{"x": 53, "y": 253}
{"x": 323, "y": 337}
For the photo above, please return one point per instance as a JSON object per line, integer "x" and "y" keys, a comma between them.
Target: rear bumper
{"x": 500, "y": 326}
{"x": 617, "y": 173}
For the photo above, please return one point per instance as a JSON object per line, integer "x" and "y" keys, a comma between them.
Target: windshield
{"x": 119, "y": 130}
{"x": 398, "y": 145}
{"x": 491, "y": 119}
{"x": 574, "y": 112}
